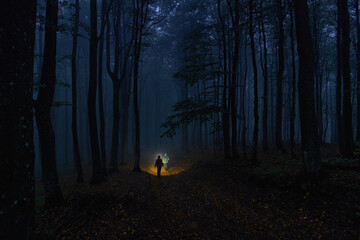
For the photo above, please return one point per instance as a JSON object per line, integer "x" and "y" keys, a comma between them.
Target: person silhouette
{"x": 158, "y": 164}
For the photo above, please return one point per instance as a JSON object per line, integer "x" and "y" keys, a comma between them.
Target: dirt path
{"x": 186, "y": 213}
{"x": 208, "y": 200}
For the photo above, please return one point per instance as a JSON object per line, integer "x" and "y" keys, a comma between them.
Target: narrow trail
{"x": 186, "y": 212}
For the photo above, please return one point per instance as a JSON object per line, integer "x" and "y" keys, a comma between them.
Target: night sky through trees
{"x": 252, "y": 106}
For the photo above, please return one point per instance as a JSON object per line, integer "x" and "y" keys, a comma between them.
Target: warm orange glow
{"x": 172, "y": 170}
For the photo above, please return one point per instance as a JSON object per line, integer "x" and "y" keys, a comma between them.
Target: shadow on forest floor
{"x": 212, "y": 199}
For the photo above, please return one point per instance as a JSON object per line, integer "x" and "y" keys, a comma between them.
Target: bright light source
{"x": 170, "y": 167}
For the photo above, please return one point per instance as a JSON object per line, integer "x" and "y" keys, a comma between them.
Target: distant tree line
{"x": 288, "y": 63}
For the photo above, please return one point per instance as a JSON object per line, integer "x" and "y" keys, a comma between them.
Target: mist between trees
{"x": 110, "y": 79}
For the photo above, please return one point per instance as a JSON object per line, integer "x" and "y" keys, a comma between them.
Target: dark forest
{"x": 182, "y": 119}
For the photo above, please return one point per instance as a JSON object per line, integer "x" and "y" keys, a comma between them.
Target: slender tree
{"x": 97, "y": 172}
{"x": 118, "y": 75}
{"x": 264, "y": 67}
{"x": 16, "y": 121}
{"x": 243, "y": 103}
{"x": 225, "y": 112}
{"x": 348, "y": 145}
{"x": 234, "y": 73}
{"x": 357, "y": 16}
{"x": 293, "y": 94}
{"x": 339, "y": 80}
{"x": 309, "y": 132}
{"x": 125, "y": 99}
{"x": 317, "y": 68}
{"x": 141, "y": 8}
{"x": 43, "y": 104}
{"x": 279, "y": 80}
{"x": 256, "y": 98}
{"x": 100, "y": 90}
{"x": 77, "y": 159}
{"x": 114, "y": 75}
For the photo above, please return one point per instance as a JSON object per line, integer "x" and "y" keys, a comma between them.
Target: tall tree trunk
{"x": 206, "y": 143}
{"x": 97, "y": 173}
{"x": 225, "y": 113}
{"x": 53, "y": 195}
{"x": 272, "y": 122}
{"x": 264, "y": 67}
{"x": 347, "y": 113}
{"x": 141, "y": 11}
{"x": 17, "y": 128}
{"x": 200, "y": 142}
{"x": 318, "y": 99}
{"x": 256, "y": 100}
{"x": 186, "y": 130}
{"x": 184, "y": 136}
{"x": 116, "y": 128}
{"x": 100, "y": 92}
{"x": 114, "y": 75}
{"x": 136, "y": 115}
{"x": 243, "y": 106}
{"x": 326, "y": 103}
{"x": 234, "y": 74}
{"x": 357, "y": 69}
{"x": 279, "y": 90}
{"x": 40, "y": 50}
{"x": 77, "y": 159}
{"x": 309, "y": 135}
{"x": 339, "y": 79}
{"x": 293, "y": 97}
{"x": 117, "y": 80}
{"x": 125, "y": 96}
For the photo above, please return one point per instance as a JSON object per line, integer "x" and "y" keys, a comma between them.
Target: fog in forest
{"x": 177, "y": 34}
{"x": 226, "y": 119}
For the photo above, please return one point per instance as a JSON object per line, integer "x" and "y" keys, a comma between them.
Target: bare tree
{"x": 357, "y": 15}
{"x": 293, "y": 94}
{"x": 97, "y": 172}
{"x": 77, "y": 159}
{"x": 16, "y": 121}
{"x": 43, "y": 106}
{"x": 234, "y": 73}
{"x": 256, "y": 98}
{"x": 279, "y": 81}
{"x": 141, "y": 8}
{"x": 225, "y": 112}
{"x": 348, "y": 141}
{"x": 117, "y": 75}
{"x": 100, "y": 89}
{"x": 264, "y": 67}
{"x": 309, "y": 132}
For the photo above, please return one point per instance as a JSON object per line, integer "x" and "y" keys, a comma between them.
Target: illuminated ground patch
{"x": 172, "y": 169}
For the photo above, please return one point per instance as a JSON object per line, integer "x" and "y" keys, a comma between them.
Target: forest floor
{"x": 203, "y": 197}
